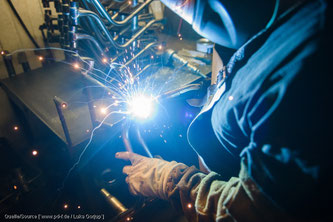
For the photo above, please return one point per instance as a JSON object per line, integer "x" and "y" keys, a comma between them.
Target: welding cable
{"x": 22, "y": 23}
{"x": 275, "y": 12}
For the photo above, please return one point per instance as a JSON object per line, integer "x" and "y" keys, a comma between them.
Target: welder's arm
{"x": 203, "y": 197}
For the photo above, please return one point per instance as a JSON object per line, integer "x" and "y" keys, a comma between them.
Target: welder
{"x": 271, "y": 115}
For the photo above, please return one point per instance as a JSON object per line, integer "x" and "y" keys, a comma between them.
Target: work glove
{"x": 149, "y": 177}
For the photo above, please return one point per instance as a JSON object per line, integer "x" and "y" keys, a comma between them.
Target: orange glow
{"x": 104, "y": 110}
{"x": 160, "y": 47}
{"x": 15, "y": 128}
{"x": 2, "y": 52}
{"x": 65, "y": 206}
{"x": 64, "y": 105}
{"x": 15, "y": 187}
{"x": 79, "y": 207}
{"x": 34, "y": 152}
{"x": 76, "y": 66}
{"x": 104, "y": 60}
{"x": 189, "y": 205}
{"x": 40, "y": 58}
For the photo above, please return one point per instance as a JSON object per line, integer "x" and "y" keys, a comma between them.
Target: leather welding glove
{"x": 149, "y": 176}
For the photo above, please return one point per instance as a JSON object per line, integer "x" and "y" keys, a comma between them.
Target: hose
{"x": 22, "y": 23}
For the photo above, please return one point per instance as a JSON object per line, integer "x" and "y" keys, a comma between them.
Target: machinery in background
{"x": 103, "y": 31}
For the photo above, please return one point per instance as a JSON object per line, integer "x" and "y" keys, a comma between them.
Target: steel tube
{"x": 140, "y": 53}
{"x": 60, "y": 105}
{"x": 86, "y": 13}
{"x": 105, "y": 15}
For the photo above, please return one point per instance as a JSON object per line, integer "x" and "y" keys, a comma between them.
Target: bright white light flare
{"x": 141, "y": 106}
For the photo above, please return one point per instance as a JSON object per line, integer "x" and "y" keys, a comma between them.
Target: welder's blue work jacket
{"x": 277, "y": 112}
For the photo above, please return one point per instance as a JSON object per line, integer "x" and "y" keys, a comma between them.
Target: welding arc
{"x": 22, "y": 23}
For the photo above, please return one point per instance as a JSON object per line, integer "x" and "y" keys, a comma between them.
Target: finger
{"x": 133, "y": 157}
{"x": 123, "y": 155}
{"x": 127, "y": 169}
{"x": 127, "y": 180}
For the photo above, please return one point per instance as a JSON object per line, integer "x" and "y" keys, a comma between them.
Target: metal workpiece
{"x": 145, "y": 68}
{"x": 205, "y": 46}
{"x": 72, "y": 37}
{"x": 91, "y": 28}
{"x": 66, "y": 21}
{"x": 121, "y": 33}
{"x": 73, "y": 22}
{"x": 120, "y": 13}
{"x": 101, "y": 10}
{"x": 8, "y": 60}
{"x": 66, "y": 37}
{"x": 98, "y": 83}
{"x": 180, "y": 91}
{"x": 94, "y": 16}
{"x": 79, "y": 36}
{"x": 66, "y": 12}
{"x": 60, "y": 106}
{"x": 90, "y": 101}
{"x": 106, "y": 26}
{"x": 171, "y": 55}
{"x": 150, "y": 45}
{"x": 36, "y": 89}
{"x": 23, "y": 60}
{"x": 74, "y": 14}
{"x": 135, "y": 24}
{"x": 61, "y": 28}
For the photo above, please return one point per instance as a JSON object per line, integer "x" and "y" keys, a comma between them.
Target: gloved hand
{"x": 149, "y": 177}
